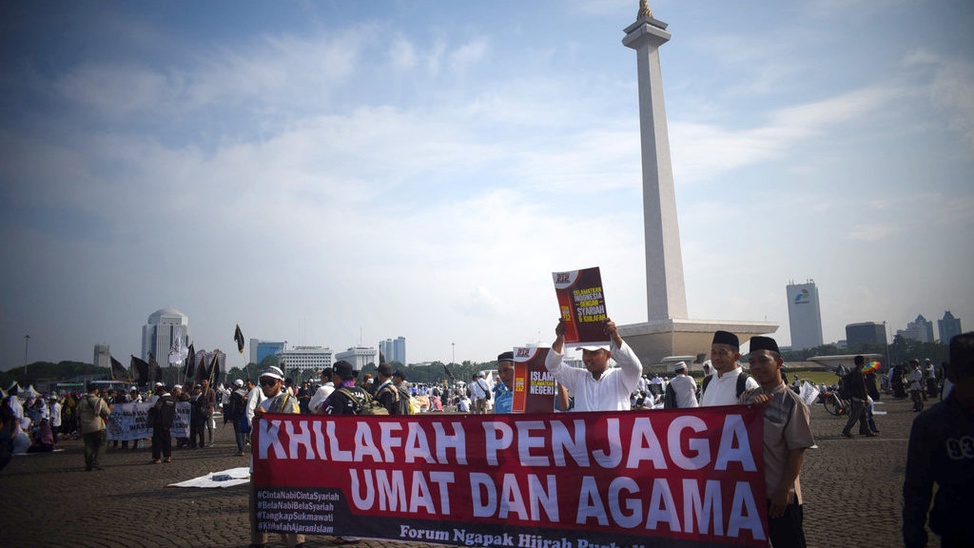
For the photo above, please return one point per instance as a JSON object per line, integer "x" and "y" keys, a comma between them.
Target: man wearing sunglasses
{"x": 277, "y": 400}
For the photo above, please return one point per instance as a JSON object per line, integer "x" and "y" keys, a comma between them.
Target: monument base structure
{"x": 654, "y": 341}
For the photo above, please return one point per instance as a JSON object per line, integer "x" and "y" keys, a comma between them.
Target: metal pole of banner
{"x": 26, "y": 344}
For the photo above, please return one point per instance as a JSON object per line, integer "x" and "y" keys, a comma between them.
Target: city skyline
{"x": 344, "y": 171}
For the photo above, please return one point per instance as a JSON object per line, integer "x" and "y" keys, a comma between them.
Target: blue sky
{"x": 343, "y": 172}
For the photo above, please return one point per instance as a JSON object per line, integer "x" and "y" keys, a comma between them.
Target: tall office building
{"x": 948, "y": 327}
{"x": 359, "y": 356}
{"x": 103, "y": 356}
{"x": 920, "y": 329}
{"x": 804, "y": 315}
{"x": 165, "y": 327}
{"x": 261, "y": 349}
{"x": 394, "y": 350}
{"x": 865, "y": 333}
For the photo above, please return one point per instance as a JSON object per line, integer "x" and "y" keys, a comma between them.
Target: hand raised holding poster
{"x": 581, "y": 302}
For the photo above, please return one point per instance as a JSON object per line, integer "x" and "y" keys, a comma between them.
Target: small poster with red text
{"x": 581, "y": 302}
{"x": 534, "y": 389}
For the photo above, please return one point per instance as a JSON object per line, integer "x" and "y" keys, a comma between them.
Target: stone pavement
{"x": 852, "y": 489}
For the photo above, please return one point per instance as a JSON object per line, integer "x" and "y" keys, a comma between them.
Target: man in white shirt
{"x": 325, "y": 390}
{"x": 478, "y": 393}
{"x": 597, "y": 387}
{"x": 682, "y": 387}
{"x": 727, "y": 384}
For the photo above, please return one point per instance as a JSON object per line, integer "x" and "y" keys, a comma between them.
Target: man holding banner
{"x": 597, "y": 387}
{"x": 786, "y": 436}
{"x": 277, "y": 400}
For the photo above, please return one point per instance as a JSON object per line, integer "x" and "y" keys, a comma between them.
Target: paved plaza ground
{"x": 852, "y": 488}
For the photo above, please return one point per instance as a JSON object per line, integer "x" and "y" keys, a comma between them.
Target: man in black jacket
{"x": 162, "y": 414}
{"x": 941, "y": 452}
{"x": 347, "y": 399}
{"x": 855, "y": 387}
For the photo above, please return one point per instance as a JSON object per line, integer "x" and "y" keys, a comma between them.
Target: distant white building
{"x": 920, "y": 329}
{"x": 165, "y": 327}
{"x": 304, "y": 360}
{"x": 103, "y": 356}
{"x": 359, "y": 356}
{"x": 804, "y": 315}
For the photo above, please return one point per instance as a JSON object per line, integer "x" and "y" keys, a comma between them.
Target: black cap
{"x": 726, "y": 337}
{"x": 764, "y": 343}
{"x": 505, "y": 357}
{"x": 344, "y": 370}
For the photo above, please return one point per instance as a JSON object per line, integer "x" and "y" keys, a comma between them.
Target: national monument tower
{"x": 667, "y": 332}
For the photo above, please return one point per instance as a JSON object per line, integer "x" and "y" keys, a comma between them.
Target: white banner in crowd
{"x": 809, "y": 393}
{"x": 128, "y": 421}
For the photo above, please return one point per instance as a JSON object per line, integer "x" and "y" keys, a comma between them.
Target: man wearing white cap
{"x": 681, "y": 392}
{"x": 278, "y": 401}
{"x": 597, "y": 387}
{"x": 235, "y": 414}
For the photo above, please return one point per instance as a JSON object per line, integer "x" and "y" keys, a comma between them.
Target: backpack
{"x": 406, "y": 398}
{"x": 234, "y": 408}
{"x": 401, "y": 401}
{"x": 669, "y": 398}
{"x": 366, "y": 405}
{"x": 742, "y": 378}
{"x": 486, "y": 390}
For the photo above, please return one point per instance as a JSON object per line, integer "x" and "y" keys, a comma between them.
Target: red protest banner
{"x": 534, "y": 389}
{"x": 581, "y": 302}
{"x": 543, "y": 480}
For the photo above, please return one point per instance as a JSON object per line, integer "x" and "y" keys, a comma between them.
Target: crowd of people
{"x": 610, "y": 379}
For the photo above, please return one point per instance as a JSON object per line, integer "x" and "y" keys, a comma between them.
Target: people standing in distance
{"x": 387, "y": 393}
{"x": 728, "y": 381}
{"x": 787, "y": 435}
{"x": 276, "y": 400}
{"x": 940, "y": 452}
{"x": 855, "y": 387}
{"x": 162, "y": 414}
{"x": 915, "y": 378}
{"x": 504, "y": 389}
{"x": 323, "y": 391}
{"x": 93, "y": 413}
{"x": 235, "y": 412}
{"x": 681, "y": 391}
{"x": 478, "y": 394}
{"x": 598, "y": 387}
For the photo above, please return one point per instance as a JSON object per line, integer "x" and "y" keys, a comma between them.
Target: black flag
{"x": 202, "y": 371}
{"x": 214, "y": 375}
{"x": 141, "y": 370}
{"x": 155, "y": 372}
{"x": 190, "y": 366}
{"x": 118, "y": 371}
{"x": 448, "y": 372}
{"x": 238, "y": 336}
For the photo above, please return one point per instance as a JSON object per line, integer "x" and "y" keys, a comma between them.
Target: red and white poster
{"x": 581, "y": 302}
{"x": 623, "y": 478}
{"x": 534, "y": 389}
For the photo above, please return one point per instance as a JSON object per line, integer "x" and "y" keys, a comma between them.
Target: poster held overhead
{"x": 581, "y": 302}
{"x": 534, "y": 389}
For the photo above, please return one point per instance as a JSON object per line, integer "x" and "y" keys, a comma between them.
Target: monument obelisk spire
{"x": 666, "y": 297}
{"x": 667, "y": 333}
